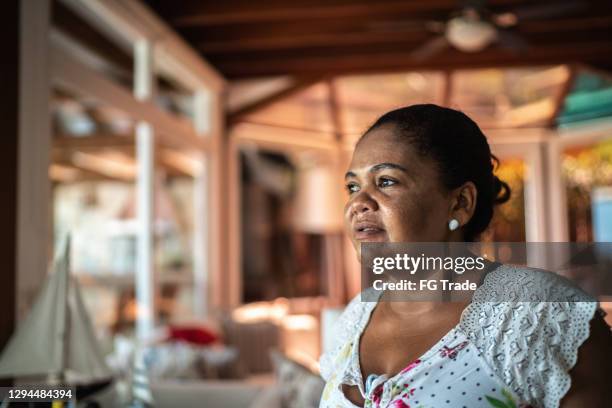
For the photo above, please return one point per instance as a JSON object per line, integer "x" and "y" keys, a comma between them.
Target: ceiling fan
{"x": 474, "y": 27}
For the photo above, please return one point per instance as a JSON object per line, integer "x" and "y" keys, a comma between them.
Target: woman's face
{"x": 395, "y": 194}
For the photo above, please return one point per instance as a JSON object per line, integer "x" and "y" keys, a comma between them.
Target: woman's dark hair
{"x": 458, "y": 146}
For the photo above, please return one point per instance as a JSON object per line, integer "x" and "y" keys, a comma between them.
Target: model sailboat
{"x": 56, "y": 341}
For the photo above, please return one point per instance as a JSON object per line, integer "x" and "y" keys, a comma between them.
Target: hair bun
{"x": 501, "y": 191}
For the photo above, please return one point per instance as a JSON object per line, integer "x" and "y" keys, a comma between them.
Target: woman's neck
{"x": 407, "y": 310}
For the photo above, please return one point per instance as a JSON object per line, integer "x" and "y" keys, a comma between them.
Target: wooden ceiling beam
{"x": 562, "y": 36}
{"x": 64, "y": 157}
{"x": 309, "y": 38}
{"x": 594, "y": 53}
{"x": 199, "y": 14}
{"x": 298, "y": 85}
{"x": 79, "y": 30}
{"x": 575, "y": 23}
{"x": 83, "y": 174}
{"x": 98, "y": 141}
{"x": 391, "y": 25}
{"x": 577, "y": 29}
{"x": 399, "y": 45}
{"x": 309, "y": 41}
{"x": 197, "y": 35}
{"x": 335, "y": 109}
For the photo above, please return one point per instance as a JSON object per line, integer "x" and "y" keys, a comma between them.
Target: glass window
{"x": 363, "y": 98}
{"x": 506, "y": 98}
{"x": 588, "y": 174}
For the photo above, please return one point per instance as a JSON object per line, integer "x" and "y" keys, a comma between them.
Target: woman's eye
{"x": 385, "y": 182}
{"x": 352, "y": 188}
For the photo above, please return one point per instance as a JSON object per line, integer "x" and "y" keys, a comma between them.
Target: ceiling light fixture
{"x": 470, "y": 35}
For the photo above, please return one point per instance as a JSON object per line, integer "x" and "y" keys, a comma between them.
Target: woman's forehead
{"x": 382, "y": 146}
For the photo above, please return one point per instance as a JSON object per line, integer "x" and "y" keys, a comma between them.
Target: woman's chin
{"x": 374, "y": 240}
{"x": 365, "y": 237}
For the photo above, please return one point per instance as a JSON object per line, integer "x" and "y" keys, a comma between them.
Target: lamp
{"x": 470, "y": 34}
{"x": 318, "y": 210}
{"x": 317, "y": 207}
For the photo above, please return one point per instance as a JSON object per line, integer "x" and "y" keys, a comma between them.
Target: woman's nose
{"x": 363, "y": 203}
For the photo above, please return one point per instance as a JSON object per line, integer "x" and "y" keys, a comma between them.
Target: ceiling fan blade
{"x": 436, "y": 27}
{"x": 548, "y": 10}
{"x": 430, "y": 48}
{"x": 511, "y": 41}
{"x": 474, "y": 4}
{"x": 397, "y": 25}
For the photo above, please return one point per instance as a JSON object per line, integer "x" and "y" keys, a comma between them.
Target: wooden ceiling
{"x": 247, "y": 39}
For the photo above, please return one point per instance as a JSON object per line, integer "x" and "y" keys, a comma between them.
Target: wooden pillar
{"x": 535, "y": 194}
{"x": 226, "y": 281}
{"x": 34, "y": 187}
{"x": 24, "y": 157}
{"x": 145, "y": 150}
{"x": 558, "y": 215}
{"x": 233, "y": 215}
{"x": 202, "y": 239}
{"x": 216, "y": 270}
{"x": 9, "y": 71}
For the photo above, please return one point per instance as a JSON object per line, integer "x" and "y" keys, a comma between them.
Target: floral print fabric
{"x": 450, "y": 374}
{"x": 501, "y": 354}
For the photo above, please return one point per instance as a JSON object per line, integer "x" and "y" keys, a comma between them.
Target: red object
{"x": 194, "y": 335}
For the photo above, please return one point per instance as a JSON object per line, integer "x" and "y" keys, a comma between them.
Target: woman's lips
{"x": 369, "y": 232}
{"x": 370, "y": 235}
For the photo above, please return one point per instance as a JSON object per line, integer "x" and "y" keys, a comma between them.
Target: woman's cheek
{"x": 408, "y": 221}
{"x": 402, "y": 232}
{"x": 397, "y": 225}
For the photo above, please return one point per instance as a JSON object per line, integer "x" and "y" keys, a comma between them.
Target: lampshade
{"x": 470, "y": 35}
{"x": 317, "y": 208}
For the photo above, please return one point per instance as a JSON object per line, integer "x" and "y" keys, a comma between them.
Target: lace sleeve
{"x": 345, "y": 328}
{"x": 532, "y": 346}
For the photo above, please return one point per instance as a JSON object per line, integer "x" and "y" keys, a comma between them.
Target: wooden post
{"x": 233, "y": 216}
{"x": 34, "y": 188}
{"x": 9, "y": 119}
{"x": 557, "y": 215}
{"x": 535, "y": 194}
{"x": 201, "y": 237}
{"x": 225, "y": 281}
{"x": 145, "y": 150}
{"x": 217, "y": 283}
{"x": 24, "y": 158}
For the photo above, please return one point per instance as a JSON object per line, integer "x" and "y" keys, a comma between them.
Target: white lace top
{"x": 508, "y": 353}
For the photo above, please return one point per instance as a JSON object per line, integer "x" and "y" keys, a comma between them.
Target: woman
{"x": 424, "y": 174}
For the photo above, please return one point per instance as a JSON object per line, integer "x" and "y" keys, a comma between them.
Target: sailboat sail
{"x": 57, "y": 337}
{"x": 85, "y": 360}
{"x": 36, "y": 348}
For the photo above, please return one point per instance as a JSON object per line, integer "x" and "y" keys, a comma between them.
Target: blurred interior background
{"x": 195, "y": 151}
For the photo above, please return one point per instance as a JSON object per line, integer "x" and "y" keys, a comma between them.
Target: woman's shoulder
{"x": 349, "y": 324}
{"x": 517, "y": 283}
{"x": 528, "y": 325}
{"x": 355, "y": 312}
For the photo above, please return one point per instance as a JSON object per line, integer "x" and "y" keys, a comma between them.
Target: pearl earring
{"x": 453, "y": 224}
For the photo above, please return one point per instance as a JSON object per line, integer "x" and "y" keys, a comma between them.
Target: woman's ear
{"x": 463, "y": 203}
